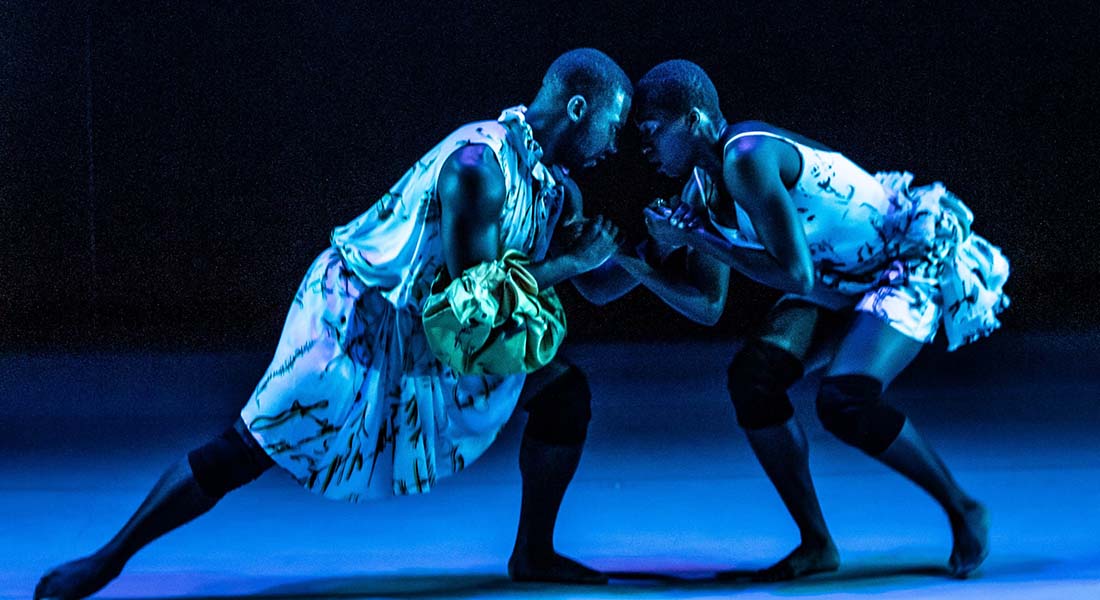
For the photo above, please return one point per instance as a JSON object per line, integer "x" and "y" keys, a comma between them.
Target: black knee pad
{"x": 559, "y": 413}
{"x": 851, "y": 408}
{"x": 228, "y": 461}
{"x": 758, "y": 378}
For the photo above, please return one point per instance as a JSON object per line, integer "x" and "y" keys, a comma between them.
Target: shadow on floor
{"x": 865, "y": 579}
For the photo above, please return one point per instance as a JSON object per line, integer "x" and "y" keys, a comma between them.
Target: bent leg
{"x": 759, "y": 377}
{"x": 187, "y": 489}
{"x": 558, "y": 402}
{"x": 850, "y": 406}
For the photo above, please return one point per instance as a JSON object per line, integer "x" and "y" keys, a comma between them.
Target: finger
{"x": 655, "y": 215}
{"x": 588, "y": 234}
{"x": 659, "y": 206}
{"x": 681, "y": 214}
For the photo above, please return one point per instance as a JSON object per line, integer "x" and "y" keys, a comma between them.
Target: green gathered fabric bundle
{"x": 493, "y": 320}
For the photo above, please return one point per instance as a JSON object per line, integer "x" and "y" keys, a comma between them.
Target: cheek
{"x": 671, "y": 149}
{"x": 594, "y": 141}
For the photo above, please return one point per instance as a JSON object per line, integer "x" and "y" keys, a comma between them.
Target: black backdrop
{"x": 168, "y": 170}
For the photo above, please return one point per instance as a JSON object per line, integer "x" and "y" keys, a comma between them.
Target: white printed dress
{"x": 355, "y": 405}
{"x": 903, "y": 254}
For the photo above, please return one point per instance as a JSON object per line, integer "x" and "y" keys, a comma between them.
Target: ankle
{"x": 110, "y": 559}
{"x": 958, "y": 509}
{"x": 533, "y": 552}
{"x": 817, "y": 540}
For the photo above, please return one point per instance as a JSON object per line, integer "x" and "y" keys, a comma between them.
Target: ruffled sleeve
{"x": 493, "y": 320}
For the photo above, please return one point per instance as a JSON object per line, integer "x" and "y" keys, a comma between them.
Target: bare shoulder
{"x": 472, "y": 160}
{"x": 472, "y": 173}
{"x": 749, "y": 126}
{"x": 746, "y": 157}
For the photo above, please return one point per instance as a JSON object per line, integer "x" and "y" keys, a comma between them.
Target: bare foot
{"x": 971, "y": 531}
{"x": 805, "y": 560}
{"x": 553, "y": 568}
{"x": 77, "y": 579}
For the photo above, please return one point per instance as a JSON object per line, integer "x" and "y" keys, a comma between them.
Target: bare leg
{"x": 547, "y": 471}
{"x": 783, "y": 452}
{"x": 874, "y": 349}
{"x": 911, "y": 456}
{"x": 225, "y": 463}
{"x": 548, "y": 458}
{"x": 173, "y": 501}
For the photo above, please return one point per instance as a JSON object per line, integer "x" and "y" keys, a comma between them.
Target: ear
{"x": 694, "y": 119}
{"x": 576, "y": 108}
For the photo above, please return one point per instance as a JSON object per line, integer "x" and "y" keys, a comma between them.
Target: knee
{"x": 228, "y": 462}
{"x": 758, "y": 378}
{"x": 560, "y": 412}
{"x": 851, "y": 408}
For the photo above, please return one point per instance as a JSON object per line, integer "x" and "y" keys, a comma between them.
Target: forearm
{"x": 755, "y": 264}
{"x": 606, "y": 283}
{"x": 683, "y": 296}
{"x": 554, "y": 270}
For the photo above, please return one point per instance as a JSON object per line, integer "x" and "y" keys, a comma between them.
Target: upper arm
{"x": 471, "y": 194}
{"x": 752, "y": 176}
{"x": 572, "y": 210}
{"x": 573, "y": 203}
{"x": 695, "y": 190}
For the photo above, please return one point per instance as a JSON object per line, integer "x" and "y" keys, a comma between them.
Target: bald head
{"x": 586, "y": 72}
{"x": 674, "y": 88}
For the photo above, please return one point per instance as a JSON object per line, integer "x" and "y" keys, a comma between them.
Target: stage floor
{"x": 667, "y": 493}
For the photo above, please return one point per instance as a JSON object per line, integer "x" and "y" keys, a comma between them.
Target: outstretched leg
{"x": 189, "y": 488}
{"x": 759, "y": 377}
{"x": 850, "y": 406}
{"x": 559, "y": 411}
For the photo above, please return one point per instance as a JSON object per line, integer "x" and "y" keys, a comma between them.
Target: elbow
{"x": 802, "y": 280}
{"x": 594, "y": 295}
{"x": 709, "y": 313}
{"x": 709, "y": 318}
{"x": 600, "y": 299}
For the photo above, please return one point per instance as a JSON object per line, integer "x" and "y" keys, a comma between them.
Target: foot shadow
{"x": 851, "y": 578}
{"x": 412, "y": 586}
{"x": 859, "y": 578}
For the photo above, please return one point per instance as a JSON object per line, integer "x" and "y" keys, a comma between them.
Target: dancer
{"x": 795, "y": 215}
{"x": 383, "y": 382}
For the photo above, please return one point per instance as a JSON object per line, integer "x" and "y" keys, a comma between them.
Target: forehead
{"x": 656, "y": 117}
{"x": 648, "y": 112}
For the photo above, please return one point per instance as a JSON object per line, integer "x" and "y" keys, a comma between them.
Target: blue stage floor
{"x": 667, "y": 493}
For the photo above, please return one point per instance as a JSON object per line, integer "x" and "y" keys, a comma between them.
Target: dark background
{"x": 168, "y": 170}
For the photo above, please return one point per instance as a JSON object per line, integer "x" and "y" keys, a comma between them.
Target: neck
{"x": 712, "y": 149}
{"x": 546, "y": 128}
